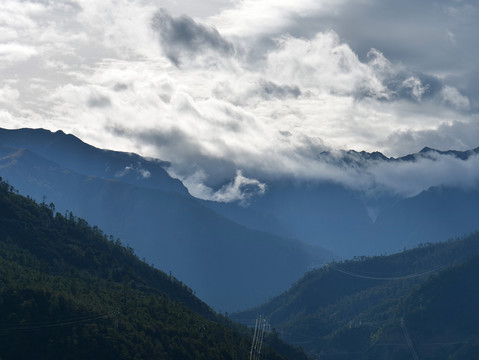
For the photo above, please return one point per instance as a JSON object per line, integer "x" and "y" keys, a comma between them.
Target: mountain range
{"x": 234, "y": 255}
{"x": 351, "y": 302}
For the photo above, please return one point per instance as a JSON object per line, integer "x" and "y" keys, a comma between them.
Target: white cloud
{"x": 452, "y": 96}
{"x": 8, "y": 94}
{"x": 323, "y": 63}
{"x": 120, "y": 25}
{"x": 138, "y": 170}
{"x": 415, "y": 86}
{"x": 240, "y": 189}
{"x": 250, "y": 18}
{"x": 12, "y": 53}
{"x": 410, "y": 178}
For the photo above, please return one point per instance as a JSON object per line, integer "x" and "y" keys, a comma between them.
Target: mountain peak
{"x": 427, "y": 149}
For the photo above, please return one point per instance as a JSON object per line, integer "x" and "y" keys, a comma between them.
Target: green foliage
{"x": 67, "y": 290}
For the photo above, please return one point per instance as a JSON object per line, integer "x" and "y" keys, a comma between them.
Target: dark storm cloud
{"x": 159, "y": 138}
{"x": 183, "y": 37}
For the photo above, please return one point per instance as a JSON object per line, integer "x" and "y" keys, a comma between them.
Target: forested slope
{"x": 69, "y": 291}
{"x": 359, "y": 309}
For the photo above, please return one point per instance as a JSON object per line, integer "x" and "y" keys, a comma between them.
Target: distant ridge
{"x": 72, "y": 153}
{"x": 360, "y": 157}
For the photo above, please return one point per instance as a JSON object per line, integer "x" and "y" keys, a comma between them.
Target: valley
{"x": 368, "y": 298}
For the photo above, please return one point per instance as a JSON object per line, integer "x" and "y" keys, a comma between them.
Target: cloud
{"x": 138, "y": 170}
{"x": 241, "y": 189}
{"x": 260, "y": 91}
{"x": 99, "y": 101}
{"x": 9, "y": 94}
{"x": 452, "y": 96}
{"x": 410, "y": 178}
{"x": 14, "y": 53}
{"x": 415, "y": 86}
{"x": 182, "y": 38}
{"x": 269, "y": 89}
{"x": 256, "y": 19}
{"x": 118, "y": 29}
{"x": 120, "y": 87}
{"x": 216, "y": 123}
{"x": 462, "y": 134}
{"x": 323, "y": 63}
{"x": 429, "y": 37}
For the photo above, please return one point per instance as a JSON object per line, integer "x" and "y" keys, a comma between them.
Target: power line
{"x": 52, "y": 324}
{"x": 404, "y": 277}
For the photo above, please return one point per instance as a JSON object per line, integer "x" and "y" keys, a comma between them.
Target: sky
{"x": 235, "y": 93}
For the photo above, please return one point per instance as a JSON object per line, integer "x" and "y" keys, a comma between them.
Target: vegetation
{"x": 363, "y": 308}
{"x": 67, "y": 290}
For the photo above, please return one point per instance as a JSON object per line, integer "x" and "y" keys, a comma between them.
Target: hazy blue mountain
{"x": 351, "y": 222}
{"x": 437, "y": 214}
{"x": 357, "y": 309}
{"x": 325, "y": 213}
{"x": 230, "y": 266}
{"x": 73, "y": 154}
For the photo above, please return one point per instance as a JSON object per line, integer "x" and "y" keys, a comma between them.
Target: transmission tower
{"x": 258, "y": 336}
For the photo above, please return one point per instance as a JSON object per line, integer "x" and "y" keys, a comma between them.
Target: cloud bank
{"x": 256, "y": 91}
